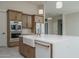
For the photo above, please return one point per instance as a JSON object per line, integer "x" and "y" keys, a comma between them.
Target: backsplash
{"x": 26, "y": 31}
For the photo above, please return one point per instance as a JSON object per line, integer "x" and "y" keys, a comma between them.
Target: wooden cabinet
{"x": 14, "y": 15}
{"x": 33, "y": 24}
{"x": 21, "y": 45}
{"x": 39, "y": 19}
{"x": 26, "y": 50}
{"x": 11, "y": 15}
{"x": 19, "y": 16}
{"x": 13, "y": 44}
{"x": 27, "y": 21}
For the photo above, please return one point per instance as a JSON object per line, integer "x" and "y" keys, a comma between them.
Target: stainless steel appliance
{"x": 15, "y": 28}
{"x": 40, "y": 28}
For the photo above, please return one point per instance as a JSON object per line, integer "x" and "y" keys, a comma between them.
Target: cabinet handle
{"x": 41, "y": 44}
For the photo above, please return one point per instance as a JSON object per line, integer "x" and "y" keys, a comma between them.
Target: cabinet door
{"x": 25, "y": 21}
{"x": 21, "y": 45}
{"x": 33, "y": 24}
{"x": 37, "y": 19}
{"x": 19, "y": 16}
{"x": 41, "y": 19}
{"x": 28, "y": 51}
{"x": 29, "y": 22}
{"x": 12, "y": 15}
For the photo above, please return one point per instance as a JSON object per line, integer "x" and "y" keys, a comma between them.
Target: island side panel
{"x": 26, "y": 50}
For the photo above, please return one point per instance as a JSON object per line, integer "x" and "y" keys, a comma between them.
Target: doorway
{"x": 3, "y": 29}
{"x": 60, "y": 27}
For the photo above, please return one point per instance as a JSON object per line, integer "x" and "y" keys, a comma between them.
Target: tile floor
{"x": 9, "y": 52}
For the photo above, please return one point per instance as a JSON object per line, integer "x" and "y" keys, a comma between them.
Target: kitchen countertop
{"x": 63, "y": 46}
{"x": 48, "y": 38}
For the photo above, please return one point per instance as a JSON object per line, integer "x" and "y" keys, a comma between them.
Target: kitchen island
{"x": 50, "y": 46}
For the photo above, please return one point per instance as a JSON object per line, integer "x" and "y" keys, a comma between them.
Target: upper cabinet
{"x": 19, "y": 16}
{"x": 39, "y": 19}
{"x": 14, "y": 15}
{"x": 27, "y": 21}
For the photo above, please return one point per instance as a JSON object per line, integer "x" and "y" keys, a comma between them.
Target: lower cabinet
{"x": 13, "y": 44}
{"x": 26, "y": 50}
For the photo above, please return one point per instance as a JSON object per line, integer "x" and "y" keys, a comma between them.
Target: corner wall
{"x": 71, "y": 24}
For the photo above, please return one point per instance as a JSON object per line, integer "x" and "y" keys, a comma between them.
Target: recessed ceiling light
{"x": 59, "y": 5}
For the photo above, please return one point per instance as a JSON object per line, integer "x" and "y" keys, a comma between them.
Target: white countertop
{"x": 50, "y": 38}
{"x": 63, "y": 46}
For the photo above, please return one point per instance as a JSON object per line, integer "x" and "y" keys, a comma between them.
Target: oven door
{"x": 13, "y": 27}
{"x": 19, "y": 27}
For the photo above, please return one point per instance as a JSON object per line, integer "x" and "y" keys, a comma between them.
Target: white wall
{"x": 50, "y": 26}
{"x": 63, "y": 23}
{"x": 71, "y": 24}
{"x": 53, "y": 25}
{"x": 26, "y": 31}
{"x": 19, "y": 5}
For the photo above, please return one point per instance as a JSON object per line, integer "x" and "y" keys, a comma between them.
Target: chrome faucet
{"x": 38, "y": 32}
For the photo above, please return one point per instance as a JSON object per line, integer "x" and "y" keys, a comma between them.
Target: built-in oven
{"x": 15, "y": 28}
{"x": 19, "y": 26}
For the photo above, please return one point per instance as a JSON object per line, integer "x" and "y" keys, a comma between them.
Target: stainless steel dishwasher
{"x": 43, "y": 49}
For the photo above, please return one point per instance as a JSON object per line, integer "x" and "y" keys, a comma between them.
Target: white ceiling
{"x": 68, "y": 7}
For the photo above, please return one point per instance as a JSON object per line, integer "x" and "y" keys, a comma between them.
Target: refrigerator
{"x": 40, "y": 28}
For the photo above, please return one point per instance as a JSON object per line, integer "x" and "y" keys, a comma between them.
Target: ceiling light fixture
{"x": 50, "y": 18}
{"x": 40, "y": 11}
{"x": 59, "y": 4}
